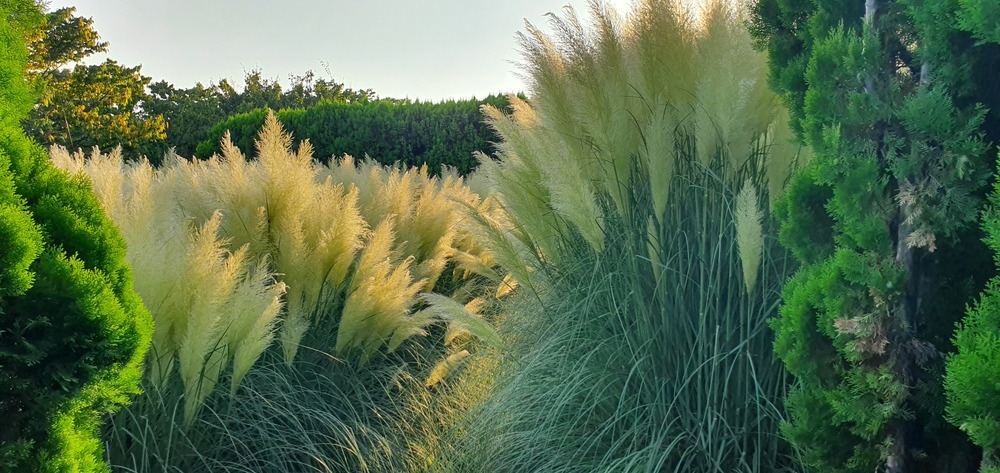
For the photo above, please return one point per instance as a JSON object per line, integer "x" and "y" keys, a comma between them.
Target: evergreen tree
{"x": 972, "y": 372}
{"x": 889, "y": 95}
{"x": 73, "y": 332}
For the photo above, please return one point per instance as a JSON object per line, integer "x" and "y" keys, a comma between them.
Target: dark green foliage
{"x": 72, "y": 330}
{"x": 412, "y": 133}
{"x": 892, "y": 105}
{"x": 982, "y": 18}
{"x": 807, "y": 229}
{"x": 971, "y": 382}
{"x": 191, "y": 113}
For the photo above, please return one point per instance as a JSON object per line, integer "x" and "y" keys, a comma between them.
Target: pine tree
{"x": 889, "y": 95}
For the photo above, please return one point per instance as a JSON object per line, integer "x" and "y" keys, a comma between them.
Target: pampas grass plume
{"x": 749, "y": 233}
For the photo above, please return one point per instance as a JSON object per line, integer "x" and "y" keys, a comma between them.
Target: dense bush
{"x": 72, "y": 330}
{"x": 190, "y": 113}
{"x": 387, "y": 131}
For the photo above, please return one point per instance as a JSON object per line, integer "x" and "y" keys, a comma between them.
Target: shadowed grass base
{"x": 625, "y": 365}
{"x": 320, "y": 416}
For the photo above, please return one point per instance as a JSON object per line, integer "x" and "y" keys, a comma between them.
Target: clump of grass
{"x": 338, "y": 261}
{"x": 652, "y": 262}
{"x": 210, "y": 306}
{"x": 322, "y": 416}
{"x": 381, "y": 293}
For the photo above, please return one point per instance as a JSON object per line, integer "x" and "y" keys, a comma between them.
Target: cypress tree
{"x": 73, "y": 332}
{"x": 971, "y": 385}
{"x": 890, "y": 96}
{"x": 972, "y": 372}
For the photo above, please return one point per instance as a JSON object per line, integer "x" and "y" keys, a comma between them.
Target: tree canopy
{"x": 85, "y": 105}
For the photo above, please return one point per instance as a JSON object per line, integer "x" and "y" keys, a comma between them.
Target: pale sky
{"x": 420, "y": 49}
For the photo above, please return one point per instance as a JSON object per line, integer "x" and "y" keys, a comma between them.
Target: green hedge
{"x": 73, "y": 332}
{"x": 389, "y": 131}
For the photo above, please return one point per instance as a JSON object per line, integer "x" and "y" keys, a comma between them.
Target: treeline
{"x": 111, "y": 104}
{"x": 388, "y": 131}
{"x": 190, "y": 113}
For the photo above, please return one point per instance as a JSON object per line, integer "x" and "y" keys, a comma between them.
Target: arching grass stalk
{"x": 648, "y": 347}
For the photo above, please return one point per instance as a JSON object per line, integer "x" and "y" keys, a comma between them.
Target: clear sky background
{"x": 420, "y": 49}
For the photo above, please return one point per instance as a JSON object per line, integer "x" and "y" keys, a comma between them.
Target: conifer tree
{"x": 889, "y": 94}
{"x": 972, "y": 372}
{"x": 73, "y": 331}
{"x": 971, "y": 385}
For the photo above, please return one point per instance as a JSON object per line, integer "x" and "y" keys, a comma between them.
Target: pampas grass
{"x": 386, "y": 234}
{"x": 337, "y": 261}
{"x": 381, "y": 293}
{"x": 211, "y": 306}
{"x": 630, "y": 186}
{"x": 615, "y": 103}
{"x": 622, "y": 228}
{"x": 749, "y": 233}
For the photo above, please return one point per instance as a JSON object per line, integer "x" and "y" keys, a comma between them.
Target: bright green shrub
{"x": 972, "y": 372}
{"x": 72, "y": 330}
{"x": 387, "y": 131}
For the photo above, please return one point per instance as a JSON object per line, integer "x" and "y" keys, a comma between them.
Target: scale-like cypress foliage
{"x": 971, "y": 380}
{"x": 887, "y": 93}
{"x": 72, "y": 330}
{"x": 972, "y": 372}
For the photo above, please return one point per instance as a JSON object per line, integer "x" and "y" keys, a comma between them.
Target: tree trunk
{"x": 905, "y": 312}
{"x": 905, "y": 317}
{"x": 870, "y": 7}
